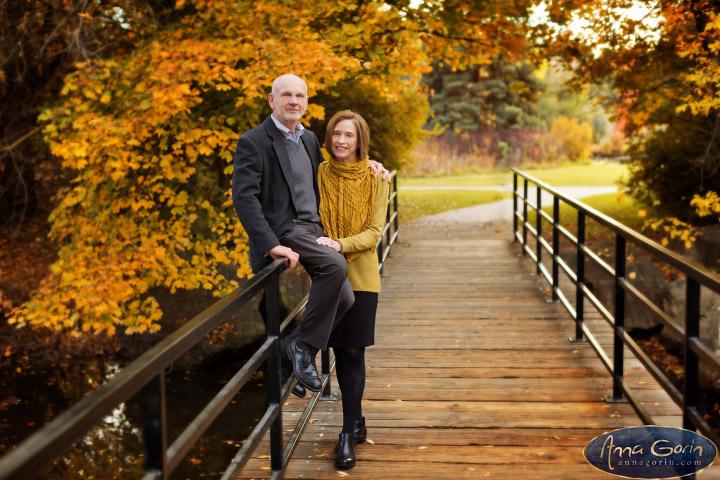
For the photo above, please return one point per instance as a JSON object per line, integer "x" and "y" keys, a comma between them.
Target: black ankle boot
{"x": 360, "y": 431}
{"x": 345, "y": 451}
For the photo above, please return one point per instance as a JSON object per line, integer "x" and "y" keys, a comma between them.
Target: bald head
{"x": 288, "y": 99}
{"x": 283, "y": 81}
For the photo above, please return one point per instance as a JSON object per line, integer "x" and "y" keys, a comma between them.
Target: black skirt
{"x": 357, "y": 327}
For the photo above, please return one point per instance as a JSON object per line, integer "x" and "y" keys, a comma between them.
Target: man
{"x": 276, "y": 197}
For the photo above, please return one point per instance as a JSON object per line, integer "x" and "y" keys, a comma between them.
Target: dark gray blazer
{"x": 262, "y": 190}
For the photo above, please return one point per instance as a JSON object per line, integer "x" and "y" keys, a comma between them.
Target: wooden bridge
{"x": 473, "y": 374}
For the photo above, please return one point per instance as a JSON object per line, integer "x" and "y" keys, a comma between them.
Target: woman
{"x": 353, "y": 205}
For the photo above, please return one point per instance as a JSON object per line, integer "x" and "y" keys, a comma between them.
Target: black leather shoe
{"x": 345, "y": 451}
{"x": 360, "y": 431}
{"x": 303, "y": 362}
{"x": 285, "y": 372}
{"x": 299, "y": 391}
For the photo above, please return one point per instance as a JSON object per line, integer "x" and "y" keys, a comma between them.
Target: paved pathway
{"x": 497, "y": 212}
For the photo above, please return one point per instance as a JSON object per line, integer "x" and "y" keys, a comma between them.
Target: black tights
{"x": 350, "y": 370}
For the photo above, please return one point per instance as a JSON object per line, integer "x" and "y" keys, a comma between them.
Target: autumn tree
{"x": 661, "y": 61}
{"x": 148, "y": 135}
{"x": 40, "y": 43}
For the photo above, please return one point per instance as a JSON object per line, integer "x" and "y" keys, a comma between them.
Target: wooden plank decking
{"x": 472, "y": 375}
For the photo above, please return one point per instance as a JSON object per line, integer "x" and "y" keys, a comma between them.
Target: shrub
{"x": 613, "y": 145}
{"x": 670, "y": 165}
{"x": 457, "y": 153}
{"x": 568, "y": 139}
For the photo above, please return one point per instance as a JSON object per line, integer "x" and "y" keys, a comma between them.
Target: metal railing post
{"x": 618, "y": 345}
{"x": 395, "y": 202}
{"x": 580, "y": 284}
{"x": 155, "y": 429}
{"x": 538, "y": 230}
{"x": 380, "y": 256}
{"x": 556, "y": 248}
{"x": 515, "y": 209}
{"x": 525, "y": 215}
{"x": 325, "y": 361}
{"x": 388, "y": 233}
{"x": 692, "y": 330}
{"x": 272, "y": 295}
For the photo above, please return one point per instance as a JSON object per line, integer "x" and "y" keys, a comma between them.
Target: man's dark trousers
{"x": 331, "y": 294}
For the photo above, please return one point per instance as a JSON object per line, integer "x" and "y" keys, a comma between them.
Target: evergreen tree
{"x": 498, "y": 95}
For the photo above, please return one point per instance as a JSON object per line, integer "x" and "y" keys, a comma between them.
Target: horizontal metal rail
{"x": 697, "y": 276}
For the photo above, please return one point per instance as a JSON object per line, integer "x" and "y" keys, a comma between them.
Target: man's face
{"x": 290, "y": 101}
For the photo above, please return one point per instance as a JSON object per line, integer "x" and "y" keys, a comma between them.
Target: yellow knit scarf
{"x": 347, "y": 198}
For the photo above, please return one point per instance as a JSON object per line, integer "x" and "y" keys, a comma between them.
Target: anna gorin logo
{"x": 651, "y": 452}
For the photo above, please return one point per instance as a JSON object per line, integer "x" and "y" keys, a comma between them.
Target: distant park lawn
{"x": 418, "y": 203}
{"x": 617, "y": 206}
{"x": 584, "y": 174}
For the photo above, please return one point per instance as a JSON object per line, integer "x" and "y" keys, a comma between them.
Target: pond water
{"x": 113, "y": 450}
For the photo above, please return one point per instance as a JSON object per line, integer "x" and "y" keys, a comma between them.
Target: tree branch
{"x": 17, "y": 142}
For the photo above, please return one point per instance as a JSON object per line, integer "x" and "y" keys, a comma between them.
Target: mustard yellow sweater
{"x": 363, "y": 270}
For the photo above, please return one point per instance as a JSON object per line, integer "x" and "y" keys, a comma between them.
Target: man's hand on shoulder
{"x": 377, "y": 168}
{"x": 283, "y": 251}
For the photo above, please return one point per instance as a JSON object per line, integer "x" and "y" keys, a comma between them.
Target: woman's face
{"x": 344, "y": 141}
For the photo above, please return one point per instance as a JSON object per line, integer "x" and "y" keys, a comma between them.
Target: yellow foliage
{"x": 702, "y": 81}
{"x": 707, "y": 205}
{"x": 673, "y": 228}
{"x": 568, "y": 139}
{"x": 149, "y": 136}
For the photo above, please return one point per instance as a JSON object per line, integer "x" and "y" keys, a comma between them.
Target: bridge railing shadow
{"x": 697, "y": 276}
{"x": 146, "y": 376}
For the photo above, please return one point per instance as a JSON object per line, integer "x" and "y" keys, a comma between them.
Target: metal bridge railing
{"x": 392, "y": 225}
{"x": 147, "y": 375}
{"x": 697, "y": 276}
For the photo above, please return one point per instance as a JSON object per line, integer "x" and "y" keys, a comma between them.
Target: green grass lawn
{"x": 418, "y": 203}
{"x": 586, "y": 174}
{"x": 615, "y": 205}
{"x": 590, "y": 174}
{"x": 618, "y": 206}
